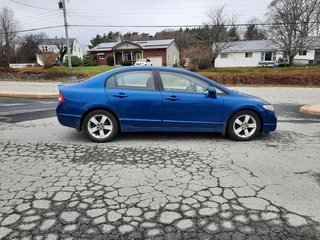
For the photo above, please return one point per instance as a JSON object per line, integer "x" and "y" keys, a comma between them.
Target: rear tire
{"x": 244, "y": 126}
{"x": 100, "y": 126}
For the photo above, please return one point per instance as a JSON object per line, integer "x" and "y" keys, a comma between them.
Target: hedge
{"x": 310, "y": 78}
{"x": 13, "y": 74}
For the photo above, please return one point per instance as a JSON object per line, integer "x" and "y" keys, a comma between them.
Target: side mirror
{"x": 212, "y": 92}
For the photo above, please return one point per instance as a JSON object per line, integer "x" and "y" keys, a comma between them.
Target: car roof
{"x": 130, "y": 68}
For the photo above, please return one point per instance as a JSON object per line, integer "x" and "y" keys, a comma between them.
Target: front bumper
{"x": 269, "y": 119}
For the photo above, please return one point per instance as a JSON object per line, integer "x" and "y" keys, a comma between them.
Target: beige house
{"x": 160, "y": 52}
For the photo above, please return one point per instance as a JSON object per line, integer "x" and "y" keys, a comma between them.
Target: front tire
{"x": 244, "y": 125}
{"x": 100, "y": 126}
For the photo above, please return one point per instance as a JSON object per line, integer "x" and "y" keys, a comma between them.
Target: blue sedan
{"x": 160, "y": 99}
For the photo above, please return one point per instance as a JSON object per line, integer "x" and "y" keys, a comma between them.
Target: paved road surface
{"x": 14, "y": 110}
{"x": 55, "y": 183}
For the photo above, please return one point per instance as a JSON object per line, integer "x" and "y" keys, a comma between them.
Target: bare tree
{"x": 253, "y": 31}
{"x": 293, "y": 23}
{"x": 215, "y": 34}
{"x": 8, "y": 28}
{"x": 28, "y": 47}
{"x": 62, "y": 52}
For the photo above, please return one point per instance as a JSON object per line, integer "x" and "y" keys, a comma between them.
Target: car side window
{"x": 139, "y": 80}
{"x": 177, "y": 82}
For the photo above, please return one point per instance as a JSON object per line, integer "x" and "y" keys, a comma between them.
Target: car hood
{"x": 251, "y": 97}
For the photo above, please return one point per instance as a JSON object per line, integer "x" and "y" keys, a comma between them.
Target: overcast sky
{"x": 125, "y": 12}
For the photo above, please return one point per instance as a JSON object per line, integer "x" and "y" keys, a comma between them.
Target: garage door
{"x": 156, "y": 61}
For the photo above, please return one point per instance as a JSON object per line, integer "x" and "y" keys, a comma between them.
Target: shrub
{"x": 182, "y": 62}
{"x": 47, "y": 58}
{"x": 76, "y": 61}
{"x": 204, "y": 63}
{"x": 192, "y": 67}
{"x": 126, "y": 63}
{"x": 110, "y": 61}
{"x": 88, "y": 60}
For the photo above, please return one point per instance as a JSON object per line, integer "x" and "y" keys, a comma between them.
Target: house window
{"x": 101, "y": 55}
{"x": 127, "y": 55}
{"x": 224, "y": 55}
{"x": 303, "y": 53}
{"x": 44, "y": 48}
{"x": 268, "y": 56}
{"x": 248, "y": 54}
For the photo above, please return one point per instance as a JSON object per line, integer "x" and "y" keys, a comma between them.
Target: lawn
{"x": 297, "y": 76}
{"x": 94, "y": 70}
{"x": 89, "y": 71}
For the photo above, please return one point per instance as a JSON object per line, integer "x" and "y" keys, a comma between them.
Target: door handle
{"x": 120, "y": 95}
{"x": 173, "y": 98}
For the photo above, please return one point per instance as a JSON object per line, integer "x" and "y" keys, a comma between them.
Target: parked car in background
{"x": 143, "y": 62}
{"x": 160, "y": 99}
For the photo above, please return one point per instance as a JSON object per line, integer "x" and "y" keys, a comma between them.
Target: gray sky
{"x": 125, "y": 12}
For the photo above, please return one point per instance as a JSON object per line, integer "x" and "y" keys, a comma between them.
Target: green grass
{"x": 94, "y": 70}
{"x": 89, "y": 71}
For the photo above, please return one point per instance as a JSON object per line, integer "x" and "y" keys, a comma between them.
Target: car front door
{"x": 187, "y": 104}
{"x": 136, "y": 99}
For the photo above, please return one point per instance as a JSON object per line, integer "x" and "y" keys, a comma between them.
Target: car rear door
{"x": 187, "y": 104}
{"x": 136, "y": 99}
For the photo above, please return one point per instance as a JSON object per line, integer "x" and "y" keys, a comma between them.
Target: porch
{"x": 120, "y": 56}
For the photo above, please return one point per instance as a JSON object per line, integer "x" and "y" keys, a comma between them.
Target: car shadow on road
{"x": 165, "y": 137}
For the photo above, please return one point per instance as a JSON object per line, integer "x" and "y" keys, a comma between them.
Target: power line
{"x": 80, "y": 35}
{"x": 34, "y": 29}
{"x": 184, "y": 26}
{"x": 171, "y": 8}
{"x": 155, "y": 26}
{"x": 32, "y": 6}
{"x": 88, "y": 18}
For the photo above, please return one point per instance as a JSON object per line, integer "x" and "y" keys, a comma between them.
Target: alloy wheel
{"x": 245, "y": 126}
{"x": 100, "y": 126}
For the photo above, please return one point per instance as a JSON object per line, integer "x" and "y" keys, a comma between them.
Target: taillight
{"x": 61, "y": 98}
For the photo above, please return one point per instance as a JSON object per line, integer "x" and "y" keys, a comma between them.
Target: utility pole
{"x": 62, "y": 5}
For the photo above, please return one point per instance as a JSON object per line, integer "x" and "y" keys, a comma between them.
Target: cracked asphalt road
{"x": 55, "y": 184}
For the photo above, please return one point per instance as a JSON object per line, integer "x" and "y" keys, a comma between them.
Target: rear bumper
{"x": 66, "y": 119}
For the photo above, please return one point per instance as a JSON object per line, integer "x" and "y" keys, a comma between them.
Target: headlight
{"x": 268, "y": 107}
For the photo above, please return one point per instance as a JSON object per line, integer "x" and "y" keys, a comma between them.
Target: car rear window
{"x": 140, "y": 80}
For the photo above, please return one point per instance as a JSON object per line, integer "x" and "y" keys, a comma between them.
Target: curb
{"x": 311, "y": 109}
{"x": 24, "y": 94}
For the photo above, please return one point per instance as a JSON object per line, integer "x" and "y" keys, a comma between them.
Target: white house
{"x": 50, "y": 45}
{"x": 264, "y": 53}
